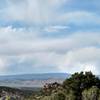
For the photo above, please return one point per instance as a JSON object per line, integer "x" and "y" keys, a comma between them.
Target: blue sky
{"x": 45, "y": 36}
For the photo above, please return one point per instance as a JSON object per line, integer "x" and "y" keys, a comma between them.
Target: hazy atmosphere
{"x": 47, "y": 36}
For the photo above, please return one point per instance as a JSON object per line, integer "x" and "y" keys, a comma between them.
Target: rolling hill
{"x": 32, "y": 80}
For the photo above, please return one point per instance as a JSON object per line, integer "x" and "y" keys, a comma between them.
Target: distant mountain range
{"x": 35, "y": 76}
{"x": 32, "y": 80}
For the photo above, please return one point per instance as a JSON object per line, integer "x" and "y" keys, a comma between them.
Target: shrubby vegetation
{"x": 80, "y": 86}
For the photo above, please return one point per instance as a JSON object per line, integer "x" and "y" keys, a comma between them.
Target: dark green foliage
{"x": 60, "y": 96}
{"x": 80, "y": 81}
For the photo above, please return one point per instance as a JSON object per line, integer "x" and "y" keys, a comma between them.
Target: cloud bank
{"x": 49, "y": 36}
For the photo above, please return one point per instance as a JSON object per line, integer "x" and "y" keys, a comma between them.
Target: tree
{"x": 81, "y": 81}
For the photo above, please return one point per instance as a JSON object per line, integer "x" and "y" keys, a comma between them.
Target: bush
{"x": 91, "y": 94}
{"x": 79, "y": 82}
{"x": 60, "y": 96}
{"x": 80, "y": 86}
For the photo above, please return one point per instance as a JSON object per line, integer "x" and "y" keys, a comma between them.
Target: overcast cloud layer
{"x": 42, "y": 36}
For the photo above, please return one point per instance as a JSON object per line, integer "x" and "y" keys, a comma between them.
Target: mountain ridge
{"x": 35, "y": 76}
{"x": 32, "y": 80}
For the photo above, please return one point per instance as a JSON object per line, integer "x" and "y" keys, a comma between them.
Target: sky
{"x": 49, "y": 36}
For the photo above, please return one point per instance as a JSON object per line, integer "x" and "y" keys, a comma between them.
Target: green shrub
{"x": 91, "y": 94}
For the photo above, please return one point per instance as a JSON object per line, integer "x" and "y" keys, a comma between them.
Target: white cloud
{"x": 32, "y": 63}
{"x": 46, "y": 12}
{"x": 11, "y": 34}
{"x": 57, "y": 28}
{"x": 20, "y": 41}
{"x": 3, "y": 65}
{"x": 32, "y": 11}
{"x": 75, "y": 52}
{"x": 79, "y": 17}
{"x": 26, "y": 45}
{"x": 84, "y": 59}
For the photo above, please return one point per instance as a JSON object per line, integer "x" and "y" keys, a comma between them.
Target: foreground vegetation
{"x": 80, "y": 86}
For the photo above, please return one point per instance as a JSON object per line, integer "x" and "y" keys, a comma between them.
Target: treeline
{"x": 80, "y": 86}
